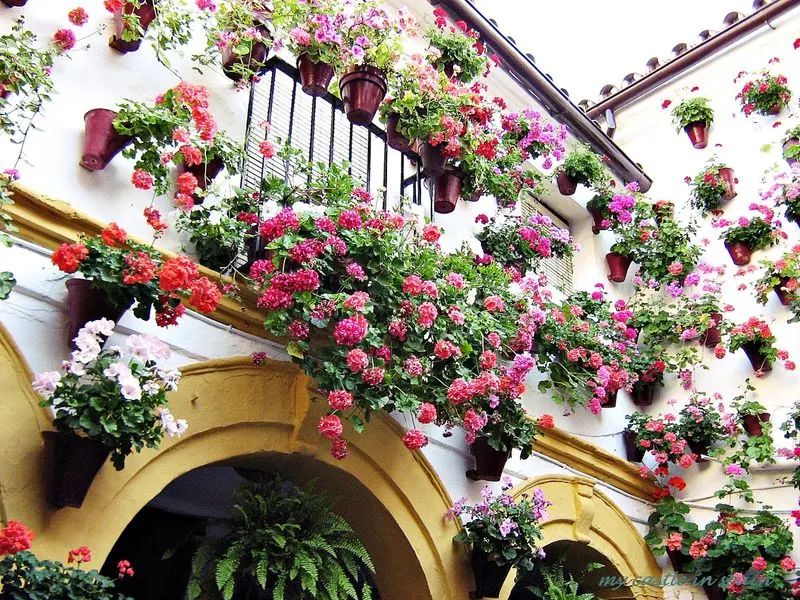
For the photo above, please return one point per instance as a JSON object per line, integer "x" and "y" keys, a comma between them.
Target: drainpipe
{"x": 558, "y": 105}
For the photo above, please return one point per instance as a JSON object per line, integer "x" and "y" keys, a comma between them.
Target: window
{"x": 558, "y": 270}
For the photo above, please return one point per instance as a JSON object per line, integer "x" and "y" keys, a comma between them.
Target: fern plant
{"x": 281, "y": 543}
{"x": 559, "y": 585}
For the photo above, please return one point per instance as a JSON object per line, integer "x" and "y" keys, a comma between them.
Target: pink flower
{"x": 427, "y": 413}
{"x": 488, "y": 360}
{"x": 350, "y": 331}
{"x": 474, "y": 422}
{"x": 414, "y": 439}
{"x": 456, "y": 316}
{"x": 339, "y": 449}
{"x": 735, "y": 470}
{"x": 330, "y": 427}
{"x": 427, "y": 314}
{"x": 373, "y": 377}
{"x": 759, "y": 564}
{"x": 413, "y": 366}
{"x": 142, "y": 179}
{"x": 357, "y": 360}
{"x": 787, "y": 564}
{"x": 267, "y": 149}
{"x": 78, "y": 16}
{"x": 675, "y": 542}
{"x": 676, "y": 268}
{"x": 666, "y": 103}
{"x": 64, "y": 39}
{"x": 494, "y": 304}
{"x": 340, "y": 399}
{"x": 431, "y": 233}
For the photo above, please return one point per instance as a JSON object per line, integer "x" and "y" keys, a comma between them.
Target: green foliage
{"x": 171, "y": 29}
{"x": 668, "y": 518}
{"x": 792, "y": 151}
{"x": 559, "y": 585}
{"x": 285, "y": 540}
{"x": 764, "y": 94}
{"x": 708, "y": 188}
{"x": 25, "y": 577}
{"x": 756, "y": 234}
{"x": 700, "y": 422}
{"x": 584, "y": 166}
{"x": 7, "y": 281}
{"x": 693, "y": 110}
{"x": 459, "y": 51}
{"x": 668, "y": 256}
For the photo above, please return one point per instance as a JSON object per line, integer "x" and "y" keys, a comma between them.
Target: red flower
{"x": 191, "y": 155}
{"x": 15, "y": 537}
{"x": 187, "y": 183}
{"x": 68, "y": 257}
{"x": 65, "y": 39}
{"x": 431, "y": 233}
{"x": 427, "y": 413}
{"x": 547, "y": 421}
{"x": 177, "y": 273}
{"x": 796, "y": 44}
{"x": 340, "y": 399}
{"x": 154, "y": 219}
{"x": 462, "y": 26}
{"x": 666, "y": 103}
{"x": 267, "y": 149}
{"x": 694, "y": 89}
{"x": 79, "y": 555}
{"x": 205, "y": 295}
{"x": 373, "y": 377}
{"x": 168, "y": 314}
{"x": 78, "y": 16}
{"x": 124, "y": 568}
{"x": 677, "y": 482}
{"x": 414, "y": 439}
{"x": 113, "y": 6}
{"x": 351, "y": 331}
{"x": 330, "y": 427}
{"x": 339, "y": 449}
{"x": 142, "y": 179}
{"x": 141, "y": 268}
{"x": 113, "y": 235}
{"x": 494, "y": 304}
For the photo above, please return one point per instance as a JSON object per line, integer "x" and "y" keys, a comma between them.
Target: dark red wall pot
{"x": 433, "y": 161}
{"x": 617, "y": 266}
{"x": 611, "y": 400}
{"x": 255, "y": 60}
{"x": 679, "y": 560}
{"x": 713, "y": 333}
{"x": 363, "y": 89}
{"x": 87, "y": 303}
{"x": 447, "y": 190}
{"x": 101, "y": 142}
{"x": 714, "y": 592}
{"x": 394, "y": 138}
{"x": 315, "y": 77}
{"x": 632, "y": 451}
{"x": 489, "y": 463}
{"x": 597, "y": 217}
{"x": 752, "y": 424}
{"x": 146, "y": 14}
{"x": 729, "y": 178}
{"x": 757, "y": 359}
{"x": 698, "y": 134}
{"x": 699, "y": 449}
{"x": 783, "y": 295}
{"x": 740, "y": 253}
{"x": 71, "y": 463}
{"x": 787, "y": 144}
{"x": 15, "y": 2}
{"x": 643, "y": 393}
{"x": 566, "y": 184}
{"x": 489, "y": 576}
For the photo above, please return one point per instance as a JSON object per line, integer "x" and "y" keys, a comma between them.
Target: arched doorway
{"x": 252, "y": 417}
{"x": 585, "y": 526}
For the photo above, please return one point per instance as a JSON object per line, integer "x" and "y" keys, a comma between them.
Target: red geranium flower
{"x": 113, "y": 235}
{"x": 666, "y": 103}
{"x": 68, "y": 257}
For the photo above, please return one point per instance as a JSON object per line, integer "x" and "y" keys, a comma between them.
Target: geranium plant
{"x": 503, "y": 529}
{"x": 700, "y": 423}
{"x": 456, "y": 50}
{"x": 584, "y": 166}
{"x": 370, "y": 36}
{"x": 670, "y": 530}
{"x": 667, "y": 254}
{"x": 709, "y": 189}
{"x": 309, "y": 28}
{"x": 791, "y": 143}
{"x": 118, "y": 402}
{"x": 781, "y": 276}
{"x": 755, "y": 233}
{"x": 659, "y": 436}
{"x": 24, "y": 576}
{"x": 127, "y": 271}
{"x": 763, "y": 93}
{"x": 756, "y": 336}
{"x": 691, "y": 111}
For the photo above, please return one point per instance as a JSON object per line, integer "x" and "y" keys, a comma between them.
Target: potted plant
{"x": 119, "y": 272}
{"x": 626, "y": 243}
{"x": 456, "y": 50}
{"x": 371, "y": 46}
{"x": 24, "y": 575}
{"x": 282, "y": 542}
{"x": 712, "y": 186}
{"x": 167, "y": 22}
{"x": 659, "y": 437}
{"x": 502, "y": 534}
{"x": 311, "y": 36}
{"x": 104, "y": 404}
{"x": 581, "y": 166}
{"x": 668, "y": 255}
{"x": 763, "y": 93}
{"x": 671, "y": 533}
{"x": 787, "y": 194}
{"x": 782, "y": 277}
{"x": 559, "y": 585}
{"x": 648, "y": 364}
{"x": 756, "y": 339}
{"x": 746, "y": 236}
{"x": 694, "y": 116}
{"x": 791, "y": 145}
{"x": 700, "y": 424}
{"x": 599, "y": 211}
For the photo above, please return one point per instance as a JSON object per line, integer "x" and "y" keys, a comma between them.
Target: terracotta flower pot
{"x": 698, "y": 134}
{"x": 611, "y": 400}
{"x": 88, "y": 303}
{"x": 489, "y": 576}
{"x": 489, "y": 463}
{"x": 788, "y": 144}
{"x": 204, "y": 172}
{"x": 146, "y": 13}
{"x": 101, "y": 142}
{"x": 447, "y": 191}
{"x": 713, "y": 333}
{"x": 699, "y": 449}
{"x": 752, "y": 424}
{"x": 679, "y": 560}
{"x": 433, "y": 161}
{"x": 15, "y": 2}
{"x": 757, "y": 359}
{"x": 71, "y": 463}
{"x": 729, "y": 179}
{"x": 255, "y": 60}
{"x": 643, "y": 393}
{"x": 597, "y": 217}
{"x": 566, "y": 184}
{"x": 618, "y": 266}
{"x": 740, "y": 253}
{"x": 363, "y": 89}
{"x": 775, "y": 109}
{"x": 477, "y": 195}
{"x": 633, "y": 452}
{"x": 714, "y": 592}
{"x": 315, "y": 77}
{"x": 783, "y": 295}
{"x": 394, "y": 138}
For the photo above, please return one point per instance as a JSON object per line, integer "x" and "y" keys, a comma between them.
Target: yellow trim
{"x": 49, "y": 222}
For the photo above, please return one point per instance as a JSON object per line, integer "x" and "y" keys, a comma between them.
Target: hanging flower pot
{"x": 362, "y": 88}
{"x": 146, "y": 13}
{"x": 714, "y": 592}
{"x": 611, "y": 400}
{"x": 679, "y": 560}
{"x": 752, "y": 424}
{"x": 699, "y": 449}
{"x": 204, "y": 173}
{"x": 598, "y": 218}
{"x": 698, "y": 134}
{"x": 88, "y": 303}
{"x": 633, "y": 452}
{"x": 71, "y": 463}
{"x": 433, "y": 161}
{"x": 729, "y": 179}
{"x": 489, "y": 576}
{"x": 394, "y": 138}
{"x": 101, "y": 142}
{"x": 315, "y": 77}
{"x": 643, "y": 393}
{"x": 775, "y": 109}
{"x": 618, "y": 266}
{"x": 740, "y": 253}
{"x": 15, "y": 2}
{"x": 784, "y": 295}
{"x": 566, "y": 184}
{"x": 447, "y": 190}
{"x": 489, "y": 463}
{"x": 788, "y": 144}
{"x": 756, "y": 357}
{"x": 713, "y": 333}
{"x": 255, "y": 60}
{"x": 477, "y": 195}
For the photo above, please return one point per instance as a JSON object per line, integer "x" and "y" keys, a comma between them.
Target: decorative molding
{"x": 49, "y": 222}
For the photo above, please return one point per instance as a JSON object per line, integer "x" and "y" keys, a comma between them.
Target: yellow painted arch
{"x": 253, "y": 417}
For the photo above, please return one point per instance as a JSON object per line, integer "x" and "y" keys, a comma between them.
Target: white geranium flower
{"x": 45, "y": 383}
{"x": 271, "y": 208}
{"x": 174, "y": 427}
{"x": 471, "y": 296}
{"x": 146, "y": 348}
{"x": 214, "y": 217}
{"x": 131, "y": 390}
{"x": 100, "y": 327}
